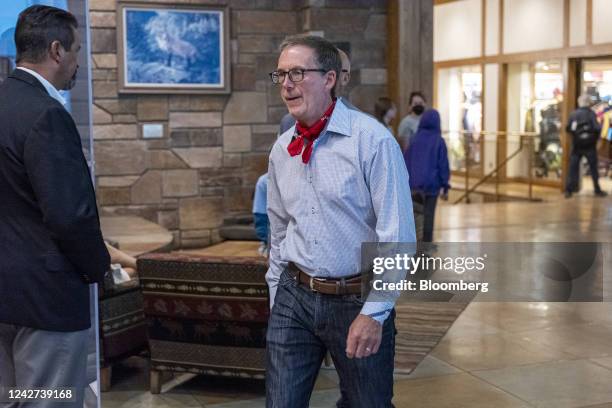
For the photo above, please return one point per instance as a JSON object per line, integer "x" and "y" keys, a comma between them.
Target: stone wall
{"x": 215, "y": 147}
{"x": 361, "y": 23}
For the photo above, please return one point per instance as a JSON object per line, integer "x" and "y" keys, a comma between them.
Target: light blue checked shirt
{"x": 261, "y": 195}
{"x": 354, "y": 189}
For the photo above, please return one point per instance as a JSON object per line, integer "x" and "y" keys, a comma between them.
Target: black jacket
{"x": 583, "y": 119}
{"x": 51, "y": 246}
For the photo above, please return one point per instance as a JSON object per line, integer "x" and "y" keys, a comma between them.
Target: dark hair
{"x": 38, "y": 26}
{"x": 344, "y": 46}
{"x": 416, "y": 93}
{"x": 381, "y": 107}
{"x": 326, "y": 53}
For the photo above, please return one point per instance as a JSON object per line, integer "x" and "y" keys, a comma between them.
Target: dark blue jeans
{"x": 574, "y": 169}
{"x": 303, "y": 326}
{"x": 429, "y": 212}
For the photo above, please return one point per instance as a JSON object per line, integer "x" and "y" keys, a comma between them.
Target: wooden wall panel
{"x": 410, "y": 50}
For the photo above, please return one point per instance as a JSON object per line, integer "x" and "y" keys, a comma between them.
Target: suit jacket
{"x": 51, "y": 246}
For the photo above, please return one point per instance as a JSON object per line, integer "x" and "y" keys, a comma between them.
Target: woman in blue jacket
{"x": 427, "y": 162}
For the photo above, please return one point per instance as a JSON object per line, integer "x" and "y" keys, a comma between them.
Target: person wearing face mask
{"x": 51, "y": 245}
{"x": 410, "y": 123}
{"x": 385, "y": 111}
{"x": 427, "y": 162}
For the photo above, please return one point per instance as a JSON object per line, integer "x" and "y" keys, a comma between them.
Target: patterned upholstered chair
{"x": 122, "y": 325}
{"x": 205, "y": 315}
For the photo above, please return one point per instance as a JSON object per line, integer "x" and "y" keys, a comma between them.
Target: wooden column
{"x": 409, "y": 51}
{"x": 589, "y": 22}
{"x": 566, "y": 23}
{"x": 571, "y": 76}
{"x": 502, "y": 119}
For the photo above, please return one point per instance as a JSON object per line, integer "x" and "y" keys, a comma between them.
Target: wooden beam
{"x": 483, "y": 112}
{"x": 501, "y": 27}
{"x": 502, "y": 117}
{"x": 566, "y": 23}
{"x": 409, "y": 50}
{"x": 589, "y": 22}
{"x": 483, "y": 27}
{"x": 571, "y": 83}
{"x": 581, "y": 51}
{"x": 434, "y": 97}
{"x": 393, "y": 61}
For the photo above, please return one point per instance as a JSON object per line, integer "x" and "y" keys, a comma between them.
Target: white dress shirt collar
{"x": 54, "y": 93}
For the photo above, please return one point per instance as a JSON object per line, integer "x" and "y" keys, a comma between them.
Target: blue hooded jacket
{"x": 426, "y": 157}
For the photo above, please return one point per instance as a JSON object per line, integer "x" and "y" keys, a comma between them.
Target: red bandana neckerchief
{"x": 310, "y": 134}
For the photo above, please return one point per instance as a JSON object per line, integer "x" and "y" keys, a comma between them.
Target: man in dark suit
{"x": 51, "y": 247}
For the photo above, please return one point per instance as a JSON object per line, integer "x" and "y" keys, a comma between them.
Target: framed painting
{"x": 165, "y": 48}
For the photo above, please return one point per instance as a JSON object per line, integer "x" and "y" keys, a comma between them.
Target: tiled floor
{"x": 519, "y": 190}
{"x": 495, "y": 355}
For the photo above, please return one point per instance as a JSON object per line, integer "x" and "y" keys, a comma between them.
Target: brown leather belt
{"x": 329, "y": 286}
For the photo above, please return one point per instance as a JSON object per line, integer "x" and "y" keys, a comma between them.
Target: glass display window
{"x": 534, "y": 106}
{"x": 597, "y": 83}
{"x": 460, "y": 105}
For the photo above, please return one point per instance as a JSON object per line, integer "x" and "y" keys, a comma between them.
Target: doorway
{"x": 534, "y": 109}
{"x": 595, "y": 80}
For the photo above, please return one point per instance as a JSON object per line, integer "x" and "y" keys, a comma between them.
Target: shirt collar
{"x": 54, "y": 93}
{"x": 340, "y": 119}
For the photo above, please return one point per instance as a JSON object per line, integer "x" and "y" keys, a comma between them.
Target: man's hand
{"x": 365, "y": 335}
{"x": 444, "y": 196}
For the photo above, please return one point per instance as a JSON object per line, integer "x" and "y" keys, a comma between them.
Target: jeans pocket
{"x": 357, "y": 299}
{"x": 286, "y": 279}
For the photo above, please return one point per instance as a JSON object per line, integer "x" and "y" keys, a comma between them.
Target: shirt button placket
{"x": 313, "y": 210}
{"x": 310, "y": 229}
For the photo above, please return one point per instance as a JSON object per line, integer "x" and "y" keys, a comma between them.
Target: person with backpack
{"x": 585, "y": 129}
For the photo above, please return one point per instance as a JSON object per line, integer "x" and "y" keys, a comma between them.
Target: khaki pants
{"x": 40, "y": 359}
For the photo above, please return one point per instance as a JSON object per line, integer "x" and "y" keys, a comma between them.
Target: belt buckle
{"x": 311, "y": 284}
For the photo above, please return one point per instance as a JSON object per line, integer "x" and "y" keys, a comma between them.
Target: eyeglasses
{"x": 295, "y": 75}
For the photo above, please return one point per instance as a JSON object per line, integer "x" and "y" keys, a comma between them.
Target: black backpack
{"x": 584, "y": 133}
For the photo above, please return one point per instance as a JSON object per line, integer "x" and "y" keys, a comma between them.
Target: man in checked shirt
{"x": 336, "y": 182}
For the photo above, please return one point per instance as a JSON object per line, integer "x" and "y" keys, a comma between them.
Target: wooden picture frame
{"x": 172, "y": 48}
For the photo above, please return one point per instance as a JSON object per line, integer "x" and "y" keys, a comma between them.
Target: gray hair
{"x": 584, "y": 101}
{"x": 326, "y": 54}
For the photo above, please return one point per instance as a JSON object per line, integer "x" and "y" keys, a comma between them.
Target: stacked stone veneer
{"x": 215, "y": 146}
